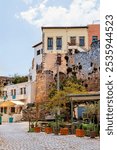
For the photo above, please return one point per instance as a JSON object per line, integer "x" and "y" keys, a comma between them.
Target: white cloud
{"x": 27, "y": 1}
{"x": 29, "y": 15}
{"x": 80, "y": 12}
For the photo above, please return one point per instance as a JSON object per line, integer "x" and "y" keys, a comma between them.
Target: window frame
{"x": 81, "y": 43}
{"x": 94, "y": 39}
{"x": 38, "y": 52}
{"x": 50, "y": 44}
{"x": 73, "y": 41}
{"x": 58, "y": 43}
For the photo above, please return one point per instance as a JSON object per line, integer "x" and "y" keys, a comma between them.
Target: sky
{"x": 21, "y": 22}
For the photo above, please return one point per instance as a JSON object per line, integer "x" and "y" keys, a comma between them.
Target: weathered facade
{"x": 78, "y": 57}
{"x": 86, "y": 66}
{"x": 60, "y": 39}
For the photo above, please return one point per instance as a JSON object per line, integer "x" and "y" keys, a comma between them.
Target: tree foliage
{"x": 59, "y": 99}
{"x": 19, "y": 79}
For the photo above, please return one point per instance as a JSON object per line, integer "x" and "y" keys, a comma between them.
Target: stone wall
{"x": 49, "y": 63}
{"x": 43, "y": 80}
{"x": 86, "y": 66}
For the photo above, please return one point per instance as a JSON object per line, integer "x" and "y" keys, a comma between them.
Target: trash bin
{"x": 10, "y": 119}
{"x": 0, "y": 119}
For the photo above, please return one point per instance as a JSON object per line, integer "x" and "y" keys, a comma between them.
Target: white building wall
{"x": 37, "y": 61}
{"x": 27, "y": 98}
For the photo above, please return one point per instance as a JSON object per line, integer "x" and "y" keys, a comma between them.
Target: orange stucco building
{"x": 93, "y": 33}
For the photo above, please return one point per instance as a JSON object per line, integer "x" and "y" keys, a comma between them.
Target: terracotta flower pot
{"x": 37, "y": 129}
{"x": 80, "y": 132}
{"x": 48, "y": 130}
{"x": 64, "y": 131}
{"x": 92, "y": 134}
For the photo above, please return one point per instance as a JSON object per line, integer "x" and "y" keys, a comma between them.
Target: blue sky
{"x": 21, "y": 21}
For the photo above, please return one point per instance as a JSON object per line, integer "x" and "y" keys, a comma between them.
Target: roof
{"x": 64, "y": 27}
{"x": 37, "y": 44}
{"x": 81, "y": 98}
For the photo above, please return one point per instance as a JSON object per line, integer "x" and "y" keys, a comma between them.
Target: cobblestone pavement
{"x": 14, "y": 136}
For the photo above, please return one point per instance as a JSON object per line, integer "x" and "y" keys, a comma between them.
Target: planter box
{"x": 92, "y": 134}
{"x": 37, "y": 129}
{"x": 48, "y": 130}
{"x": 80, "y": 133}
{"x": 64, "y": 131}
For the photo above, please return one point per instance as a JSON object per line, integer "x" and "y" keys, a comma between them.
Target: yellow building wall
{"x": 65, "y": 33}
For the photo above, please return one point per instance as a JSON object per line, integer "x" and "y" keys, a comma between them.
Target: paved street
{"x": 14, "y": 136}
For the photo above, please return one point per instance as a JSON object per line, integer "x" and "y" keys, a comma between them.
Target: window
{"x": 12, "y": 109}
{"x": 1, "y": 109}
{"x": 41, "y": 51}
{"x": 38, "y": 52}
{"x": 58, "y": 43}
{"x": 50, "y": 43}
{"x": 94, "y": 38}
{"x": 22, "y": 90}
{"x": 5, "y": 110}
{"x": 4, "y": 93}
{"x": 81, "y": 41}
{"x": 73, "y": 40}
{"x": 13, "y": 92}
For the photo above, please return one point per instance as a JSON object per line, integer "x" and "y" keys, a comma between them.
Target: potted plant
{"x": 31, "y": 128}
{"x": 92, "y": 131}
{"x": 86, "y": 131}
{"x": 87, "y": 127}
{"x": 37, "y": 127}
{"x": 48, "y": 129}
{"x": 63, "y": 130}
{"x": 79, "y": 131}
{"x": 55, "y": 127}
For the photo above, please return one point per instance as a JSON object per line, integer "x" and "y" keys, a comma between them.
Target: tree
{"x": 92, "y": 111}
{"x": 19, "y": 79}
{"x": 58, "y": 100}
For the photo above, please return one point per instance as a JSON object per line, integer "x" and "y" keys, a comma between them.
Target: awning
{"x": 88, "y": 97}
{"x": 7, "y": 104}
{"x": 11, "y": 103}
{"x": 19, "y": 103}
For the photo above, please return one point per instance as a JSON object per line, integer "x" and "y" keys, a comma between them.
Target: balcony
{"x": 75, "y": 46}
{"x": 72, "y": 45}
{"x": 21, "y": 97}
{"x": 16, "y": 97}
{"x": 13, "y": 96}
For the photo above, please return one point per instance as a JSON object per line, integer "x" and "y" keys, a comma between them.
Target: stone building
{"x": 74, "y": 43}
